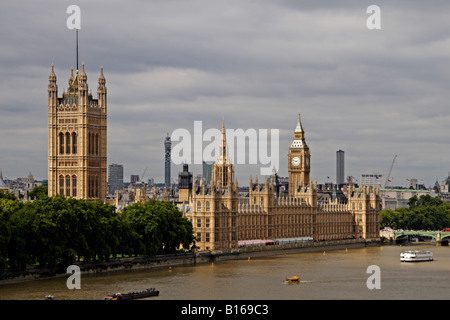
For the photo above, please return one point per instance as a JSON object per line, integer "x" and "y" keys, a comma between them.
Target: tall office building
{"x": 115, "y": 178}
{"x": 77, "y": 139}
{"x": 340, "y": 167}
{"x": 167, "y": 161}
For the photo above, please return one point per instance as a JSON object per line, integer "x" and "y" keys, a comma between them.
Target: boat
{"x": 416, "y": 255}
{"x": 292, "y": 280}
{"x": 133, "y": 295}
{"x": 49, "y": 297}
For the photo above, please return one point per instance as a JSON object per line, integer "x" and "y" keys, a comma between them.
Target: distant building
{"x": 115, "y": 178}
{"x": 2, "y": 183}
{"x": 340, "y": 168}
{"x": 371, "y": 179}
{"x": 399, "y": 198}
{"x": 134, "y": 178}
{"x": 167, "y": 161}
{"x": 185, "y": 184}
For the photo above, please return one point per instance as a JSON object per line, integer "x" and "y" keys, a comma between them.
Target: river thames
{"x": 328, "y": 275}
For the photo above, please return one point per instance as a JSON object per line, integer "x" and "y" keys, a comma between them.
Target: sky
{"x": 255, "y": 64}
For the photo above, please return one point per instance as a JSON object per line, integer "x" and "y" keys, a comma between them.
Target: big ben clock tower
{"x": 299, "y": 160}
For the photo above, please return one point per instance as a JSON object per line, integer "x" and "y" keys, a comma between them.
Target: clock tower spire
{"x": 299, "y": 160}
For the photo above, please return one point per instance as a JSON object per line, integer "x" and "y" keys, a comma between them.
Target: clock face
{"x": 295, "y": 161}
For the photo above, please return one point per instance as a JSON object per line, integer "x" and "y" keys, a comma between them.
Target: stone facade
{"x": 221, "y": 218}
{"x": 77, "y": 139}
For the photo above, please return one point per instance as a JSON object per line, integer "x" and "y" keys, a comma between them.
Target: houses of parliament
{"x": 77, "y": 167}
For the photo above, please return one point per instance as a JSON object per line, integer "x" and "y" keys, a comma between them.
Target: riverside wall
{"x": 186, "y": 259}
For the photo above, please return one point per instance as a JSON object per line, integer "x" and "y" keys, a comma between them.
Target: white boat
{"x": 416, "y": 255}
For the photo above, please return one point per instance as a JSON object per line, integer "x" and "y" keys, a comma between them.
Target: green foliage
{"x": 424, "y": 213}
{"x": 39, "y": 192}
{"x": 5, "y": 194}
{"x": 158, "y": 226}
{"x": 54, "y": 232}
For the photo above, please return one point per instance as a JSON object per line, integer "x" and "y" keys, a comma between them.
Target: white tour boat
{"x": 416, "y": 255}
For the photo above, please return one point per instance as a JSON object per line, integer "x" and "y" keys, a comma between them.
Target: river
{"x": 329, "y": 275}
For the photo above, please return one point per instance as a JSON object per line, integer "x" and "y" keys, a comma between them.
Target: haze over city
{"x": 372, "y": 93}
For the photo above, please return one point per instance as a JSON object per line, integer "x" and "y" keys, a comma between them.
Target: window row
{"x": 68, "y": 143}
{"x": 199, "y": 206}
{"x": 68, "y": 185}
{"x": 93, "y": 186}
{"x": 94, "y": 143}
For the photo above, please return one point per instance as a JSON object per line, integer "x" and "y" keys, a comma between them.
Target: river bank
{"x": 185, "y": 259}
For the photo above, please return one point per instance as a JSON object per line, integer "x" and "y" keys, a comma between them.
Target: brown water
{"x": 338, "y": 274}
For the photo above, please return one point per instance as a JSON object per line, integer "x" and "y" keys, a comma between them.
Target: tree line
{"x": 55, "y": 232}
{"x": 423, "y": 213}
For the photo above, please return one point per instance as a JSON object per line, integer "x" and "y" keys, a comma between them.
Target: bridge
{"x": 436, "y": 235}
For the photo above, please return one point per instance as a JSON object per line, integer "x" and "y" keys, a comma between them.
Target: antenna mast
{"x": 77, "y": 48}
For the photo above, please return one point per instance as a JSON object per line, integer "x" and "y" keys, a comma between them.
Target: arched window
{"x": 199, "y": 206}
{"x": 74, "y": 143}
{"x": 61, "y": 185}
{"x": 68, "y": 143}
{"x": 61, "y": 143}
{"x": 74, "y": 186}
{"x": 67, "y": 186}
{"x": 207, "y": 206}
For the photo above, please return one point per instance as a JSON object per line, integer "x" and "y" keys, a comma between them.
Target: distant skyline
{"x": 371, "y": 93}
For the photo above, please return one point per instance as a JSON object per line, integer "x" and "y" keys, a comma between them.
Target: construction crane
{"x": 142, "y": 177}
{"x": 390, "y": 170}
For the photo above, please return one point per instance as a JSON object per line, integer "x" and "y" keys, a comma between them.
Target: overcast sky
{"x": 372, "y": 93}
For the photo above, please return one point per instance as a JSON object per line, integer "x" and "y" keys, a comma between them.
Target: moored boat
{"x": 133, "y": 295}
{"x": 416, "y": 255}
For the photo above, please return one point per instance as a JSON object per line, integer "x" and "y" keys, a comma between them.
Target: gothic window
{"x": 199, "y": 223}
{"x": 199, "y": 206}
{"x": 68, "y": 186}
{"x": 74, "y": 186}
{"x": 207, "y": 223}
{"x": 68, "y": 143}
{"x": 207, "y": 206}
{"x": 61, "y": 185}
{"x": 74, "y": 143}
{"x": 61, "y": 143}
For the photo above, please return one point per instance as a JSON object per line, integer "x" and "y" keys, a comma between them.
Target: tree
{"x": 39, "y": 192}
{"x": 159, "y": 226}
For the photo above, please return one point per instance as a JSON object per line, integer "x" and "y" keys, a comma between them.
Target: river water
{"x": 330, "y": 275}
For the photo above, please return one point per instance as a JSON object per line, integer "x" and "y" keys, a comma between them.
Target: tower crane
{"x": 142, "y": 177}
{"x": 390, "y": 170}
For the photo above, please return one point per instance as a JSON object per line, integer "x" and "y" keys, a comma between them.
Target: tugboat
{"x": 133, "y": 295}
{"x": 292, "y": 280}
